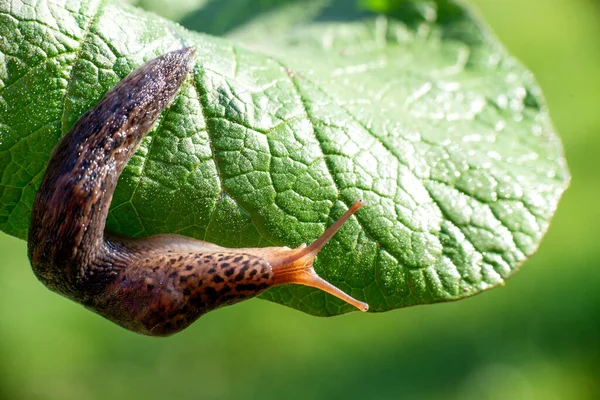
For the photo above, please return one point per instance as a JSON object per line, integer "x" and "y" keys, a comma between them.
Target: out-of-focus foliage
{"x": 536, "y": 338}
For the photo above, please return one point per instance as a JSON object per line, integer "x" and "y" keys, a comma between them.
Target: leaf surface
{"x": 419, "y": 112}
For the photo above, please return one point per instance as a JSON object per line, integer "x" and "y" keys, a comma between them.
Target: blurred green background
{"x": 538, "y": 337}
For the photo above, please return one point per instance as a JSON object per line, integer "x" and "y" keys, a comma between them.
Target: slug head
{"x": 295, "y": 266}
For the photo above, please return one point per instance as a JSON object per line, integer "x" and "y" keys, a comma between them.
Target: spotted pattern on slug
{"x": 181, "y": 287}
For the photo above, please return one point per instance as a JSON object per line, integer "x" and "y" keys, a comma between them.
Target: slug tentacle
{"x": 296, "y": 265}
{"x": 160, "y": 284}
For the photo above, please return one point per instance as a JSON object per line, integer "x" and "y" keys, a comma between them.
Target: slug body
{"x": 157, "y": 285}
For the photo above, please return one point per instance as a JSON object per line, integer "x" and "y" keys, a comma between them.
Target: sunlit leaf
{"x": 419, "y": 112}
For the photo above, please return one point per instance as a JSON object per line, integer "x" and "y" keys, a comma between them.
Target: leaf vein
{"x": 69, "y": 87}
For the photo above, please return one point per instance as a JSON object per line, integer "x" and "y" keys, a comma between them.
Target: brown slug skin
{"x": 157, "y": 285}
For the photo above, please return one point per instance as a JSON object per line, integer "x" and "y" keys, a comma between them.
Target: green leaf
{"x": 420, "y": 112}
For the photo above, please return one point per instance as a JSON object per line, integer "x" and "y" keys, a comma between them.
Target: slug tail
{"x": 295, "y": 266}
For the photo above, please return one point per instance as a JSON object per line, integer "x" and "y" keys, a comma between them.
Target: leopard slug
{"x": 157, "y": 285}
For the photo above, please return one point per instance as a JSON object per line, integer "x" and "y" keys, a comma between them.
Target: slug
{"x": 157, "y": 285}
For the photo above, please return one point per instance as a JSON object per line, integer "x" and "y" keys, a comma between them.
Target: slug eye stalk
{"x": 160, "y": 284}
{"x": 296, "y": 265}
